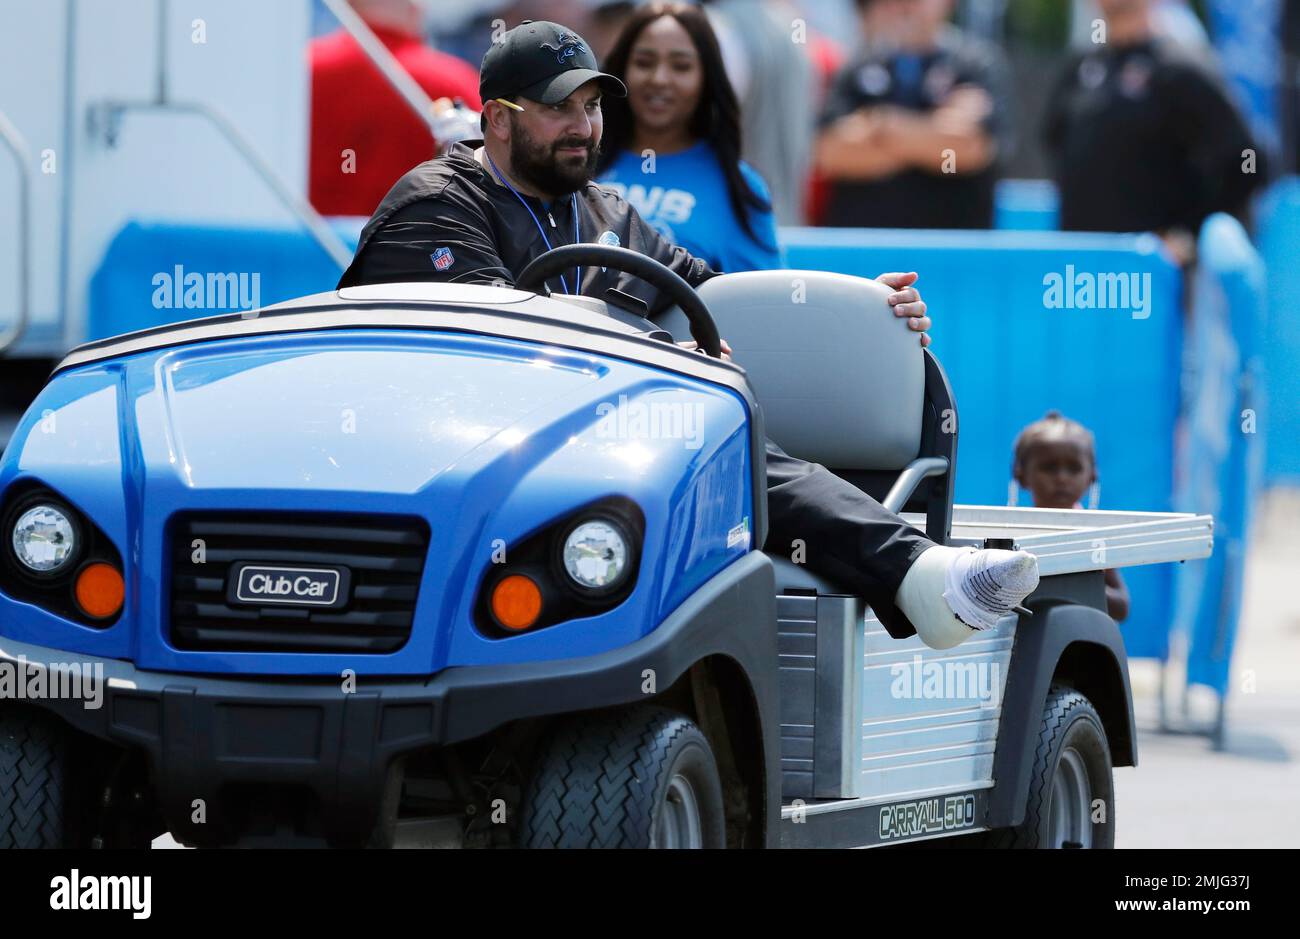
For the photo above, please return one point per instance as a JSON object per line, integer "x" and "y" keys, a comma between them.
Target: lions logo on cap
{"x": 570, "y": 45}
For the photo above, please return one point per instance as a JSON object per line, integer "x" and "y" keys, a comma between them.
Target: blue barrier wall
{"x": 290, "y": 264}
{"x": 1033, "y": 205}
{"x": 1011, "y": 356}
{"x": 138, "y": 274}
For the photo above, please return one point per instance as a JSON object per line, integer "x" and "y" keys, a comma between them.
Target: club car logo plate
{"x": 264, "y": 584}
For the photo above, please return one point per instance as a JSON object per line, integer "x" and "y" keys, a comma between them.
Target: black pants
{"x": 847, "y": 536}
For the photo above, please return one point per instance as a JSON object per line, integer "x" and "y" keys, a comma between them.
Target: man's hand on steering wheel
{"x": 693, "y": 346}
{"x": 906, "y": 301}
{"x": 703, "y": 329}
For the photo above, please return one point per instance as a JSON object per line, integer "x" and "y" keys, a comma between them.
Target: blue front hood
{"x": 486, "y": 439}
{"x": 382, "y": 417}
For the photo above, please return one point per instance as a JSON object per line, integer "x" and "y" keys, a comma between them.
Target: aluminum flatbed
{"x": 919, "y": 768}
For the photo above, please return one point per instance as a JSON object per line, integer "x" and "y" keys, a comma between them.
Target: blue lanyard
{"x": 577, "y": 235}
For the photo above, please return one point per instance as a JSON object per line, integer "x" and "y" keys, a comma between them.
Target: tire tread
{"x": 598, "y": 773}
{"x": 31, "y": 782}
{"x": 1062, "y": 702}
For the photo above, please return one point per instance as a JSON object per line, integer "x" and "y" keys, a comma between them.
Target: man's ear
{"x": 497, "y": 117}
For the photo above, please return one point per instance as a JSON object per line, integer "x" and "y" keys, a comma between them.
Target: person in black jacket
{"x": 1143, "y": 137}
{"x": 480, "y": 214}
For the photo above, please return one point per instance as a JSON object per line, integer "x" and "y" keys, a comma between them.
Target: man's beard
{"x": 539, "y": 165}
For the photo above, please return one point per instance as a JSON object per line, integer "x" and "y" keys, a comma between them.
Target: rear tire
{"x": 1072, "y": 774}
{"x": 33, "y": 781}
{"x": 642, "y": 777}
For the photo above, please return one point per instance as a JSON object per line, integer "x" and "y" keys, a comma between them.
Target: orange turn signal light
{"x": 100, "y": 590}
{"x": 516, "y": 602}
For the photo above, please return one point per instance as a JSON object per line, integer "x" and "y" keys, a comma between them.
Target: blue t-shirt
{"x": 685, "y": 199}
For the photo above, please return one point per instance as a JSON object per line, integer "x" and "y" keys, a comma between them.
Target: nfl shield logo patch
{"x": 443, "y": 259}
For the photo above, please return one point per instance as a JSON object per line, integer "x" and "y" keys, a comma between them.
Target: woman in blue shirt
{"x": 672, "y": 147}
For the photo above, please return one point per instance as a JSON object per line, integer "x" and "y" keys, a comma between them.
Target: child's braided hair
{"x": 1052, "y": 425}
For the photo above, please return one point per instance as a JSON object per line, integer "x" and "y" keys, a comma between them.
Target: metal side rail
{"x": 1070, "y": 540}
{"x": 105, "y": 122}
{"x": 16, "y": 144}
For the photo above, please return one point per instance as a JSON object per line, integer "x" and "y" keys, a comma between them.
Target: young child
{"x": 1056, "y": 460}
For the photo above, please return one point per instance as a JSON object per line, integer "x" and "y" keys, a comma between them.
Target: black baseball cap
{"x": 542, "y": 61}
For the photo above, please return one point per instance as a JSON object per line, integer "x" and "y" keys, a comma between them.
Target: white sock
{"x": 951, "y": 593}
{"x": 985, "y": 586}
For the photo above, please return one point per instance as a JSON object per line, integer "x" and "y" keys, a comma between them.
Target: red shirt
{"x": 354, "y": 108}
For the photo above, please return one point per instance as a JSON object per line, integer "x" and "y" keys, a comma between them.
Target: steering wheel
{"x": 703, "y": 329}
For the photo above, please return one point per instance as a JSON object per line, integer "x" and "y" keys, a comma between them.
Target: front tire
{"x": 1071, "y": 800}
{"x": 641, "y": 777}
{"x": 33, "y": 781}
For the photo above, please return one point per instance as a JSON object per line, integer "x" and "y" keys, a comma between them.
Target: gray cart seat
{"x": 843, "y": 382}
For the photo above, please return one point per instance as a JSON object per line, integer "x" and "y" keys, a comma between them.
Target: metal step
{"x": 865, "y": 823}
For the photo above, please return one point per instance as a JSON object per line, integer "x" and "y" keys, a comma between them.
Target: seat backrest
{"x": 840, "y": 378}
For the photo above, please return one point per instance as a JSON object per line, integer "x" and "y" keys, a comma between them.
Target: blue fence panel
{"x": 1222, "y": 462}
{"x": 1012, "y": 355}
{"x": 148, "y": 274}
{"x": 1279, "y": 243}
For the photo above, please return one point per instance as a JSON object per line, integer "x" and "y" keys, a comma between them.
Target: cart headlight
{"x": 45, "y": 540}
{"x": 595, "y": 556}
{"x": 582, "y": 564}
{"x": 54, "y": 557}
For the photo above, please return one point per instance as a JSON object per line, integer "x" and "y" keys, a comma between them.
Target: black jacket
{"x": 448, "y": 220}
{"x": 1145, "y": 137}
